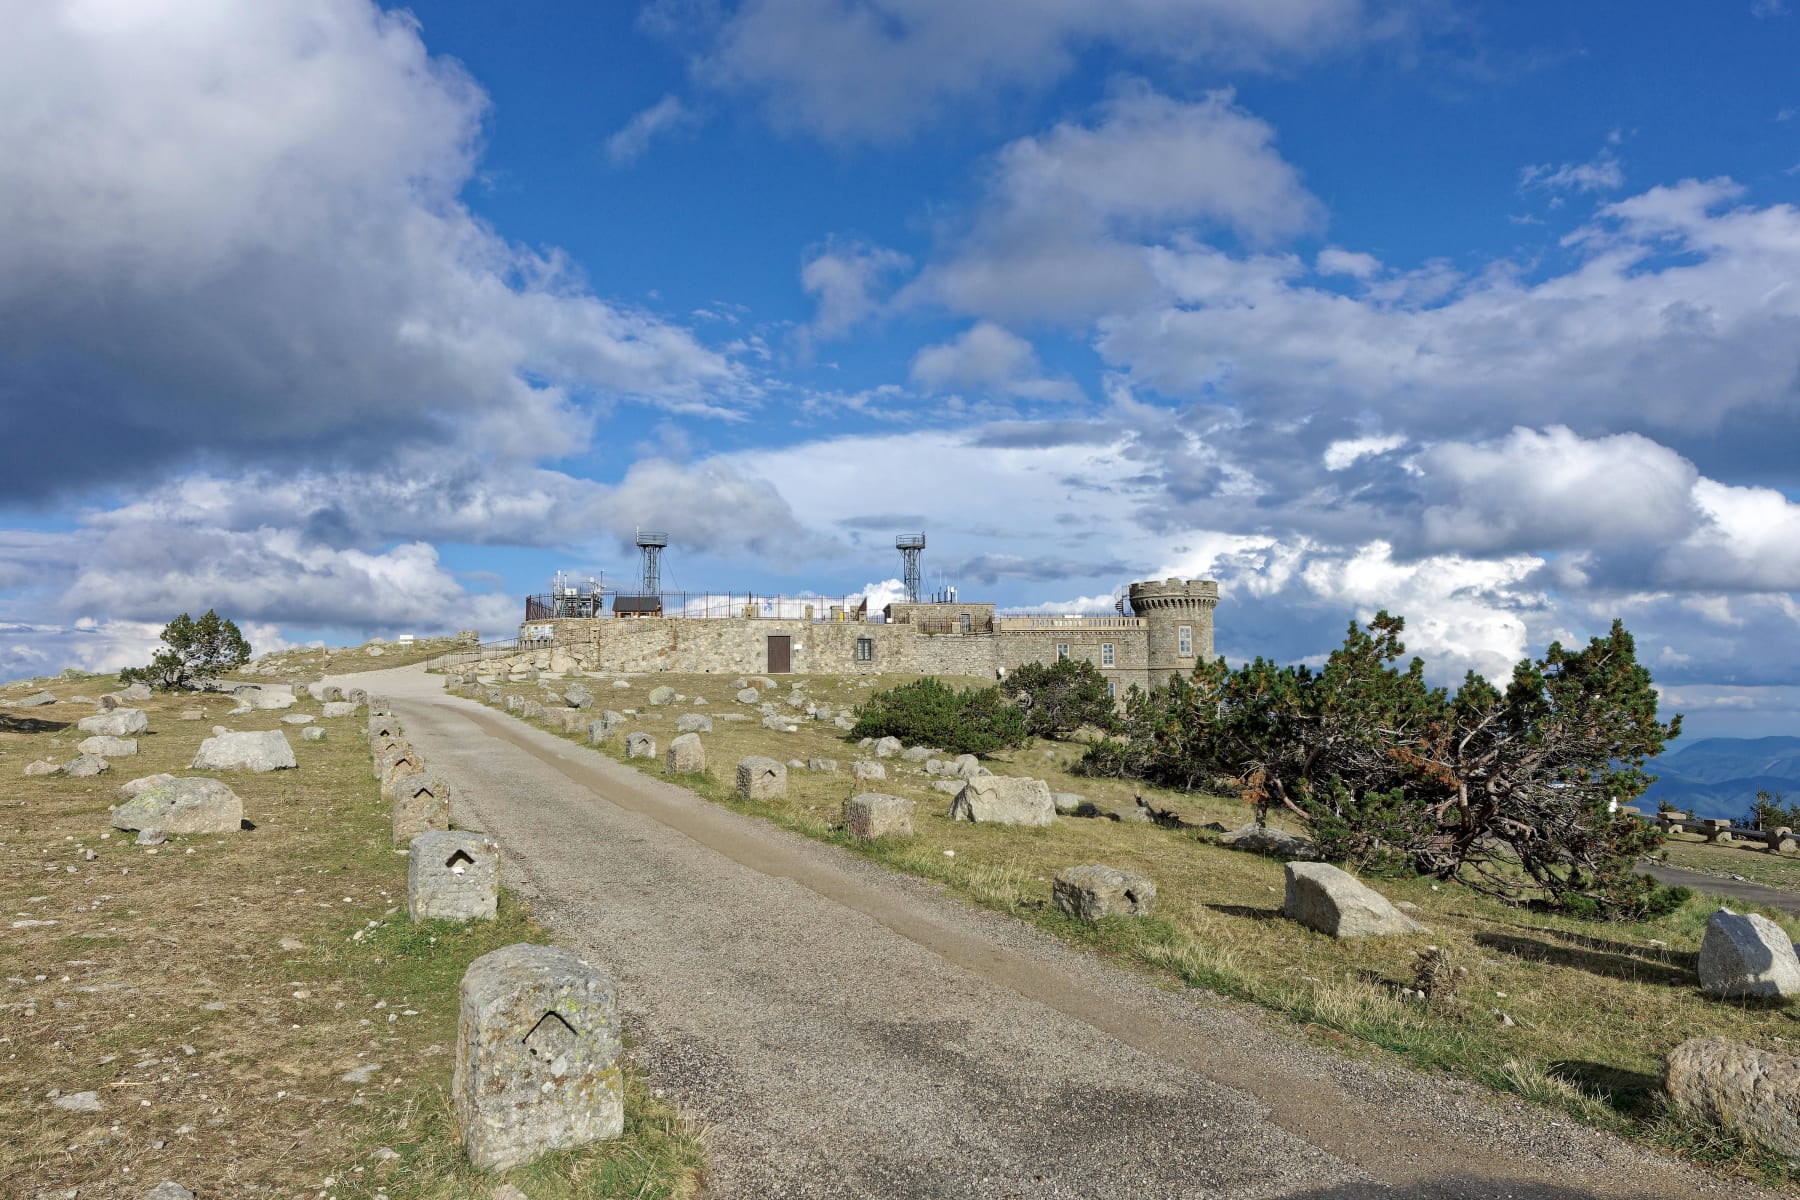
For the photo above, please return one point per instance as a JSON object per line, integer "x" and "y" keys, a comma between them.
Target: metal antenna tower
{"x": 909, "y": 545}
{"x": 651, "y": 546}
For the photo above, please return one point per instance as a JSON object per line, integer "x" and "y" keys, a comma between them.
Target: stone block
{"x": 395, "y": 765}
{"x": 531, "y": 710}
{"x": 693, "y": 723}
{"x": 887, "y": 747}
{"x": 313, "y": 733}
{"x": 862, "y": 769}
{"x": 331, "y": 710}
{"x": 686, "y": 755}
{"x": 185, "y": 805}
{"x": 760, "y": 778}
{"x": 120, "y": 722}
{"x": 1752, "y": 1092}
{"x": 1333, "y": 901}
{"x": 537, "y": 1056}
{"x": 579, "y": 696}
{"x": 601, "y": 731}
{"x": 873, "y": 815}
{"x": 827, "y": 766}
{"x": 452, "y": 876}
{"x": 87, "y": 766}
{"x": 640, "y": 745}
{"x": 383, "y": 727}
{"x": 1096, "y": 891}
{"x": 263, "y": 751}
{"x": 1747, "y": 956}
{"x": 102, "y": 746}
{"x": 421, "y": 805}
{"x": 1003, "y": 800}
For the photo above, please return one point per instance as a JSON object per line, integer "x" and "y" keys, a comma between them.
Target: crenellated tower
{"x": 1179, "y": 618}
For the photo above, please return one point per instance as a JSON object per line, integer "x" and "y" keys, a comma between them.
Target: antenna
{"x": 651, "y": 546}
{"x": 909, "y": 545}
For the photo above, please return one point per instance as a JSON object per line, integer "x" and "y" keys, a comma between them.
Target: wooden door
{"x": 781, "y": 648}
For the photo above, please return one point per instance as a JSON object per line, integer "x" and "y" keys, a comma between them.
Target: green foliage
{"x": 1059, "y": 698}
{"x": 1509, "y": 792}
{"x": 1772, "y": 811}
{"x": 192, "y": 651}
{"x": 927, "y": 712}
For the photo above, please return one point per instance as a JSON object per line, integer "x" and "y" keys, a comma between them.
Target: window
{"x": 865, "y": 649}
{"x": 1106, "y": 654}
{"x": 1184, "y": 635}
{"x": 1111, "y": 694}
{"x": 1062, "y": 652}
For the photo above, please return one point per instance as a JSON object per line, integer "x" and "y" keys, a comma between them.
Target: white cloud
{"x": 661, "y": 119}
{"x": 1602, "y": 173}
{"x": 855, "y": 71}
{"x": 1334, "y": 260}
{"x": 987, "y": 357}
{"x": 1056, "y": 236}
{"x": 258, "y": 203}
{"x": 848, "y": 281}
{"x": 1345, "y": 453}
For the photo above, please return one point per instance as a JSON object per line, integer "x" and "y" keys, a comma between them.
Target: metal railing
{"x": 1026, "y": 624}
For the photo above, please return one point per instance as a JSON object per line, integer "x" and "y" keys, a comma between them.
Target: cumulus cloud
{"x": 988, "y": 358}
{"x": 848, "y": 281}
{"x": 877, "y": 71}
{"x": 232, "y": 230}
{"x": 667, "y": 116}
{"x": 1057, "y": 233}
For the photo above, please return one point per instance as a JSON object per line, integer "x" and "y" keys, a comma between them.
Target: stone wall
{"x": 1131, "y": 651}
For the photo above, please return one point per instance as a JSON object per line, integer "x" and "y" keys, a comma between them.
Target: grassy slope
{"x": 1594, "y": 1007}
{"x": 219, "y": 1056}
{"x": 1748, "y": 859}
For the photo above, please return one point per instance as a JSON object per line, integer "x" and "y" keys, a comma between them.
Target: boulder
{"x": 1333, "y": 901}
{"x": 760, "y": 778}
{"x": 873, "y": 815}
{"x": 1003, "y": 800}
{"x": 298, "y": 719}
{"x": 136, "y": 692}
{"x": 144, "y": 783}
{"x": 1755, "y": 1093}
{"x": 693, "y": 723}
{"x": 108, "y": 747}
{"x": 966, "y": 766}
{"x": 761, "y": 681}
{"x": 313, "y": 733}
{"x": 844, "y": 723}
{"x": 1747, "y": 956}
{"x": 262, "y": 751}
{"x": 640, "y": 745}
{"x": 191, "y": 714}
{"x": 86, "y": 766}
{"x": 863, "y": 769}
{"x": 168, "y": 1189}
{"x": 186, "y": 805}
{"x": 579, "y": 696}
{"x": 1264, "y": 839}
{"x": 1092, "y": 892}
{"x": 949, "y": 787}
{"x": 42, "y": 766}
{"x": 685, "y": 756}
{"x": 1067, "y": 803}
{"x": 35, "y": 700}
{"x": 120, "y": 722}
{"x": 780, "y": 725}
{"x": 333, "y": 709}
{"x": 600, "y": 732}
{"x": 265, "y": 696}
{"x": 917, "y": 754}
{"x": 887, "y": 747}
{"x": 826, "y": 766}
{"x": 662, "y": 695}
{"x": 748, "y": 695}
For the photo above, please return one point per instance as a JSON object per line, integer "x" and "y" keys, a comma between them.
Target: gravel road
{"x": 841, "y": 1031}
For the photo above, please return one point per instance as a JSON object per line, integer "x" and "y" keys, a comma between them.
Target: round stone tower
{"x": 1169, "y": 608}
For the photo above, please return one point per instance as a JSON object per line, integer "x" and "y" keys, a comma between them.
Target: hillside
{"x": 1719, "y": 777}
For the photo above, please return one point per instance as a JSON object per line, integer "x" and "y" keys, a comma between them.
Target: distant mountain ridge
{"x": 1719, "y": 777}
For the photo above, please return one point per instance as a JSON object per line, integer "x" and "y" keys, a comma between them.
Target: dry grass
{"x": 1746, "y": 860}
{"x": 1590, "y": 1008}
{"x": 159, "y": 982}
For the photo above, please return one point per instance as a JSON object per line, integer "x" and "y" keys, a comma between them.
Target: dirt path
{"x": 843, "y": 1031}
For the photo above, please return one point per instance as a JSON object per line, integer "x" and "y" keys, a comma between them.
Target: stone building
{"x": 1171, "y": 630}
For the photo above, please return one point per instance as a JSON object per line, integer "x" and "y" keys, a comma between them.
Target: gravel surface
{"x": 840, "y": 1030}
{"x": 1724, "y": 885}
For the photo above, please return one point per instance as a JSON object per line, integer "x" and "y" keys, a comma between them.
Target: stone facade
{"x": 1171, "y": 631}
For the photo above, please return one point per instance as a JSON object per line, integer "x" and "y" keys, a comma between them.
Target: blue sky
{"x": 353, "y": 319}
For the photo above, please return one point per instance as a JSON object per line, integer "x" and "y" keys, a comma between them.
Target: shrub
{"x": 1059, "y": 698}
{"x": 192, "y": 651}
{"x": 928, "y": 712}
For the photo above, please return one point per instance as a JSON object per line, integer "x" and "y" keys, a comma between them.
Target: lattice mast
{"x": 910, "y": 546}
{"x": 651, "y": 546}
